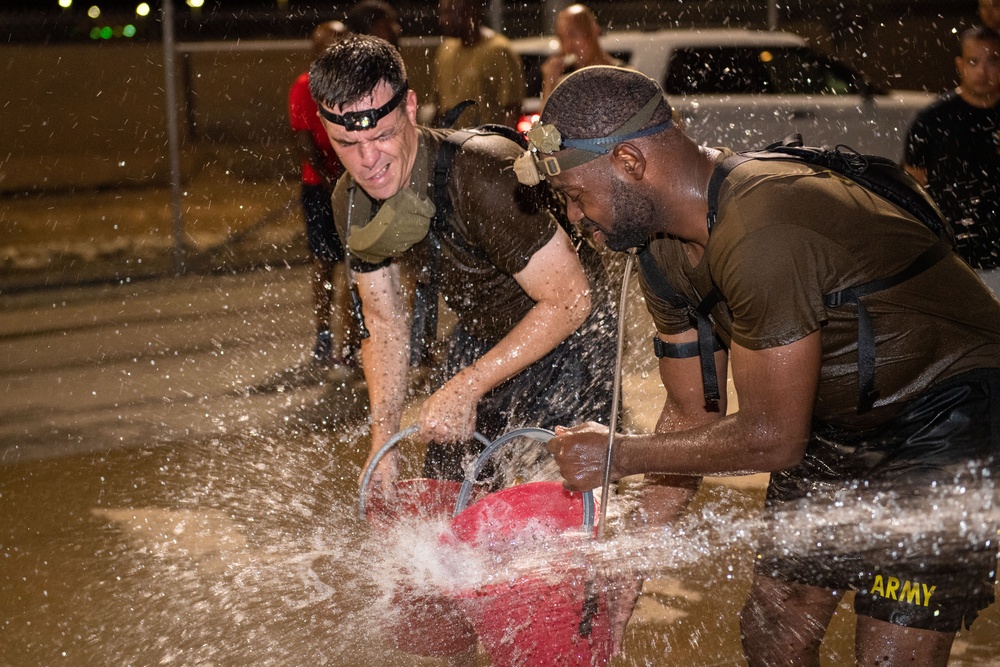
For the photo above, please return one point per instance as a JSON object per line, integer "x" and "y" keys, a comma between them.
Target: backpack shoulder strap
{"x": 719, "y": 175}
{"x": 708, "y": 343}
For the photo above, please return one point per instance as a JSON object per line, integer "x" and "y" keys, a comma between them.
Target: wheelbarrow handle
{"x": 382, "y": 451}
{"x": 535, "y": 433}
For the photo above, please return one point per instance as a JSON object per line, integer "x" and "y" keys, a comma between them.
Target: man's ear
{"x": 629, "y": 160}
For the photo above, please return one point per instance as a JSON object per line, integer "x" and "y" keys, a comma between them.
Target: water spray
{"x": 616, "y": 391}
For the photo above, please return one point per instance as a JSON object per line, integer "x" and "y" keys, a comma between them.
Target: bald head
{"x": 325, "y": 34}
{"x": 578, "y": 33}
{"x": 579, "y": 16}
{"x": 596, "y": 101}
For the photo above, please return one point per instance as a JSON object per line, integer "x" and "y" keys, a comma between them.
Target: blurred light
{"x": 129, "y": 30}
{"x": 65, "y": 4}
{"x": 142, "y": 9}
{"x": 195, "y": 3}
{"x": 524, "y": 123}
{"x": 106, "y": 32}
{"x": 95, "y": 33}
{"x": 766, "y": 56}
{"x": 94, "y": 12}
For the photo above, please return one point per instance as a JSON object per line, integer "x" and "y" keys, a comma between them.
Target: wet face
{"x": 617, "y": 213}
{"x": 380, "y": 159}
{"x": 979, "y": 70}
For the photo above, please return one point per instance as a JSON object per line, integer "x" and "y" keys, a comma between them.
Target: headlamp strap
{"x": 356, "y": 121}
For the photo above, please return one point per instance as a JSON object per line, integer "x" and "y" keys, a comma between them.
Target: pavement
{"x": 230, "y": 222}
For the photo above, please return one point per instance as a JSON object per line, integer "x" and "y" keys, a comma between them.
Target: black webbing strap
{"x": 715, "y": 184}
{"x": 706, "y": 348}
{"x": 866, "y": 333}
{"x": 453, "y": 113}
{"x": 707, "y": 343}
{"x": 426, "y": 300}
{"x": 662, "y": 349}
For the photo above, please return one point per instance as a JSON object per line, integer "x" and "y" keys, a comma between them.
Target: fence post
{"x": 173, "y": 137}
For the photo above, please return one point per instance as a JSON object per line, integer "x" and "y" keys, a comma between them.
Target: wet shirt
{"x": 959, "y": 147}
{"x": 788, "y": 234}
{"x": 302, "y": 113}
{"x": 496, "y": 225}
{"x": 489, "y": 72}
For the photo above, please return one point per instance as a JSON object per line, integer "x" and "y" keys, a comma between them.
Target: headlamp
{"x": 545, "y": 141}
{"x": 357, "y": 121}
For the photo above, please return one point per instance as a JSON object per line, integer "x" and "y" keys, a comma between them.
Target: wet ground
{"x": 152, "y": 512}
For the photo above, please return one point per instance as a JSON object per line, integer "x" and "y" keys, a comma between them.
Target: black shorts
{"x": 321, "y": 233}
{"x": 903, "y": 514}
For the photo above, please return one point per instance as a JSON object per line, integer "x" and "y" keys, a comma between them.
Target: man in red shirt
{"x": 320, "y": 170}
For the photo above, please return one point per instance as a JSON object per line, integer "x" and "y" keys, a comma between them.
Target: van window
{"x": 743, "y": 70}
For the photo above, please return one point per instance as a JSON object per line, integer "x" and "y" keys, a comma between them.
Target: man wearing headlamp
{"x": 502, "y": 263}
{"x": 781, "y": 239}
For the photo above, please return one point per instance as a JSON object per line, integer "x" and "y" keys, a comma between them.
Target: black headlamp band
{"x": 356, "y": 121}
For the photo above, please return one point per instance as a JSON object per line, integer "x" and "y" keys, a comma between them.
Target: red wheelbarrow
{"x": 530, "y": 620}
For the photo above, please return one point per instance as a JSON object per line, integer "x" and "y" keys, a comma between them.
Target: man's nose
{"x": 369, "y": 153}
{"x": 573, "y": 211}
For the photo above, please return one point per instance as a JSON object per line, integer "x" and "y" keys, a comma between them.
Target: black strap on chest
{"x": 867, "y": 394}
{"x": 708, "y": 343}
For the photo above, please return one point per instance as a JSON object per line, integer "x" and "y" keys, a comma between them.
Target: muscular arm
{"x": 683, "y": 409}
{"x": 555, "y": 281}
{"x": 770, "y": 431}
{"x": 385, "y": 356}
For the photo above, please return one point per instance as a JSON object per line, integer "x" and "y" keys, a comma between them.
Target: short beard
{"x": 632, "y": 221}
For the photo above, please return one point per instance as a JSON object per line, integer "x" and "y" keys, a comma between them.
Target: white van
{"x": 746, "y": 89}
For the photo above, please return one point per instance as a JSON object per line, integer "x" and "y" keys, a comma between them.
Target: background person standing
{"x": 375, "y": 17}
{"x": 579, "y": 41}
{"x": 476, "y": 63}
{"x": 319, "y": 172}
{"x": 953, "y": 149}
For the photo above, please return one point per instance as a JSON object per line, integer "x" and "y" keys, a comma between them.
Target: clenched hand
{"x": 580, "y": 452}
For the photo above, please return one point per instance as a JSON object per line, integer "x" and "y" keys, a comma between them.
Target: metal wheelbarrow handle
{"x": 382, "y": 451}
{"x": 538, "y": 434}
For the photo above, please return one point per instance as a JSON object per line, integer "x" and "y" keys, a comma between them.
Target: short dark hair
{"x": 596, "y": 101}
{"x": 363, "y": 15}
{"x": 978, "y": 32}
{"x": 352, "y": 68}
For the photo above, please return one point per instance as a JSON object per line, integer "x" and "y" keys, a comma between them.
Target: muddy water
{"x": 149, "y": 515}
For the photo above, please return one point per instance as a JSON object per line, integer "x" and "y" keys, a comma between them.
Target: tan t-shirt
{"x": 787, "y": 234}
{"x": 489, "y": 72}
{"x": 495, "y": 227}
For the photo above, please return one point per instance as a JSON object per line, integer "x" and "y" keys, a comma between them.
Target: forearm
{"x": 732, "y": 445}
{"x": 540, "y": 331}
{"x": 384, "y": 356}
{"x": 385, "y": 353}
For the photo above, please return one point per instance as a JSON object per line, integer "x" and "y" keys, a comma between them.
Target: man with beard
{"x": 782, "y": 239}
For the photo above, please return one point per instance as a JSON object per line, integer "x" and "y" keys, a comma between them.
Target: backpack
{"x": 425, "y": 312}
{"x": 879, "y": 175}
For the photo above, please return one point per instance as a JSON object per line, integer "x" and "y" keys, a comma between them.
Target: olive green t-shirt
{"x": 496, "y": 225}
{"x": 489, "y": 72}
{"x": 787, "y": 234}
